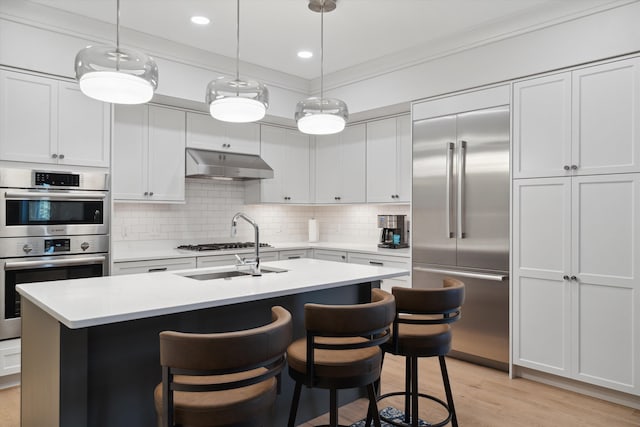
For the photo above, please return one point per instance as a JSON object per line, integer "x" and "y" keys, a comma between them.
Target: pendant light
{"x": 116, "y": 75}
{"x": 319, "y": 115}
{"x": 235, "y": 100}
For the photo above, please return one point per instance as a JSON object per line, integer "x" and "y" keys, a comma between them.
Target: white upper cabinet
{"x": 606, "y": 118}
{"x": 205, "y": 132}
{"x": 45, "y": 120}
{"x": 287, "y": 152}
{"x": 341, "y": 165}
{"x": 542, "y": 126}
{"x": 582, "y": 122}
{"x": 148, "y": 154}
{"x": 389, "y": 160}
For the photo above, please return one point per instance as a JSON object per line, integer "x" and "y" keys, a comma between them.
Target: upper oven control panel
{"x": 19, "y": 247}
{"x": 53, "y": 179}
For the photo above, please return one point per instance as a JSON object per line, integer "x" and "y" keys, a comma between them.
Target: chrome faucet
{"x": 253, "y": 264}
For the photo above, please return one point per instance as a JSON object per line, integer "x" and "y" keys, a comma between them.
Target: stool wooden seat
{"x": 221, "y": 379}
{"x": 422, "y": 328}
{"x": 341, "y": 350}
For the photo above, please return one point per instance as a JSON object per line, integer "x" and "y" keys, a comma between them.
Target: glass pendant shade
{"x": 237, "y": 101}
{"x": 321, "y": 116}
{"x": 116, "y": 75}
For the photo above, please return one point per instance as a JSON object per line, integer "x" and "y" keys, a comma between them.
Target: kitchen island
{"x": 90, "y": 351}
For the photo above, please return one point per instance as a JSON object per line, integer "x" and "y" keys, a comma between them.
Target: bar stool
{"x": 422, "y": 328}
{"x": 221, "y": 379}
{"x": 341, "y": 350}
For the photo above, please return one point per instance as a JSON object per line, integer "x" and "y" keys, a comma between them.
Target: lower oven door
{"x": 40, "y": 269}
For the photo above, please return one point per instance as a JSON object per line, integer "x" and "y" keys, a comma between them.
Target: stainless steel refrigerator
{"x": 460, "y": 215}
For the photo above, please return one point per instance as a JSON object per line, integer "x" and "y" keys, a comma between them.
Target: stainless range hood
{"x": 221, "y": 165}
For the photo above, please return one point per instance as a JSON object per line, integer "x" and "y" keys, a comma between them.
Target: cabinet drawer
{"x": 230, "y": 259}
{"x": 378, "y": 260}
{"x": 329, "y": 255}
{"x": 150, "y": 266}
{"x": 294, "y": 254}
{"x": 9, "y": 357}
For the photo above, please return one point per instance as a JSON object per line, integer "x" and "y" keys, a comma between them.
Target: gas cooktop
{"x": 221, "y": 246}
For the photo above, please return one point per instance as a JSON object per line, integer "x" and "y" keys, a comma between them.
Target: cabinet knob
{"x": 565, "y": 277}
{"x": 574, "y": 167}
{"x": 146, "y": 193}
{"x": 342, "y": 256}
{"x": 574, "y": 278}
{"x": 567, "y": 167}
{"x": 54, "y": 156}
{"x": 151, "y": 193}
{"x": 61, "y": 156}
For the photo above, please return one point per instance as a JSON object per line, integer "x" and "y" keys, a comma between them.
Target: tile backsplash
{"x": 210, "y": 205}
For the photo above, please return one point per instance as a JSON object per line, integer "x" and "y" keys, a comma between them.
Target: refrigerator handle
{"x": 461, "y": 196}
{"x": 461, "y": 273}
{"x": 450, "y": 148}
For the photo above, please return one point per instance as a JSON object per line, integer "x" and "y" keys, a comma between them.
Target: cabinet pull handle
{"x": 146, "y": 193}
{"x": 565, "y": 277}
{"x": 450, "y": 148}
{"x": 567, "y": 167}
{"x": 461, "y": 188}
{"x": 294, "y": 257}
{"x": 342, "y": 256}
{"x": 151, "y": 193}
{"x": 61, "y": 156}
{"x": 376, "y": 263}
{"x": 574, "y": 278}
{"x": 54, "y": 156}
{"x": 574, "y": 167}
{"x": 153, "y": 270}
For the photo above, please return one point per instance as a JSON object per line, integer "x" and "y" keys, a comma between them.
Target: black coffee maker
{"x": 394, "y": 231}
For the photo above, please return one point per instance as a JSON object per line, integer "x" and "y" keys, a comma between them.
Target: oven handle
{"x": 43, "y": 195}
{"x": 23, "y": 265}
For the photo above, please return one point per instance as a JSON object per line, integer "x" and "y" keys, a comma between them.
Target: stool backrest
{"x": 202, "y": 355}
{"x": 369, "y": 321}
{"x": 445, "y": 301}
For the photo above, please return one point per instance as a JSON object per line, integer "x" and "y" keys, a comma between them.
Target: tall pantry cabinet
{"x": 576, "y": 224}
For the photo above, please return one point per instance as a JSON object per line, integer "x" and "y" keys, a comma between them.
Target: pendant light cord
{"x": 117, "y": 35}
{"x": 321, "y": 55}
{"x": 237, "y": 40}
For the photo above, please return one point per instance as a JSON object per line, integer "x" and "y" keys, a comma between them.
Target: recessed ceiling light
{"x": 200, "y": 20}
{"x": 305, "y": 54}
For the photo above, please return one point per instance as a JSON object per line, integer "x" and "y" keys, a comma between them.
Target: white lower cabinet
{"x": 9, "y": 357}
{"x": 154, "y": 265}
{"x": 576, "y": 289}
{"x": 384, "y": 261}
{"x": 330, "y": 255}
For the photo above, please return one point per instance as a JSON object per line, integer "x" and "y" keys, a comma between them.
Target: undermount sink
{"x": 232, "y": 273}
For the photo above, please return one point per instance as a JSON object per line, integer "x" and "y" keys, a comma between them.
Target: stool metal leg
{"x": 333, "y": 410}
{"x": 447, "y": 390}
{"x": 407, "y": 388}
{"x": 294, "y": 404}
{"x": 414, "y": 392}
{"x": 373, "y": 407}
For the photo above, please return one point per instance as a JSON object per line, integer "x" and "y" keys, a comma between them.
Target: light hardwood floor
{"x": 483, "y": 397}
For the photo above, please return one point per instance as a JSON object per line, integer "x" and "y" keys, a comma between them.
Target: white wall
{"x": 210, "y": 205}
{"x": 43, "y": 39}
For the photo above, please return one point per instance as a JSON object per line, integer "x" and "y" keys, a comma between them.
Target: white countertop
{"x": 124, "y": 251}
{"x": 80, "y": 303}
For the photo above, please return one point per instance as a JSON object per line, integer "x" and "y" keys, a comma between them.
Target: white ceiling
{"x": 357, "y": 32}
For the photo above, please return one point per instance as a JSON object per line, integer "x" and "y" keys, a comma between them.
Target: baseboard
{"x": 489, "y": 363}
{"x": 8, "y": 381}
{"x": 598, "y": 392}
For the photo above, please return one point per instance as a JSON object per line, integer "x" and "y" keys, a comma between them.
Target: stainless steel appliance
{"x": 394, "y": 234}
{"x": 53, "y": 226}
{"x": 461, "y": 223}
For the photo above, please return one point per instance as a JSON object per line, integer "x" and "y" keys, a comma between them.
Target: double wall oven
{"x": 53, "y": 225}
